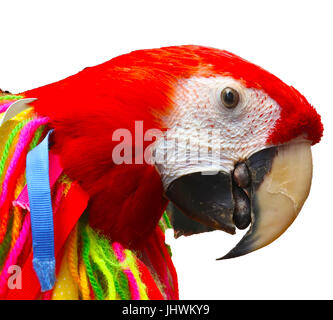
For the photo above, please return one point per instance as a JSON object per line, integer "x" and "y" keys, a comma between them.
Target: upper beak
{"x": 267, "y": 190}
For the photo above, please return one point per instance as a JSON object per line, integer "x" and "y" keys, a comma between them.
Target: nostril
{"x": 241, "y": 175}
{"x": 241, "y": 182}
{"x": 242, "y": 210}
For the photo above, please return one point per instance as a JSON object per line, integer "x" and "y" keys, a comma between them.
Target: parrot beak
{"x": 267, "y": 191}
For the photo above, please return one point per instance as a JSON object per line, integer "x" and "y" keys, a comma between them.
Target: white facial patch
{"x": 205, "y": 136}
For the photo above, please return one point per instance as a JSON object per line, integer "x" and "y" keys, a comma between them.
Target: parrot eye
{"x": 229, "y": 97}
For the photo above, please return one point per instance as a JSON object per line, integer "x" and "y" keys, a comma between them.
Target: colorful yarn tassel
{"x": 102, "y": 269}
{"x": 91, "y": 266}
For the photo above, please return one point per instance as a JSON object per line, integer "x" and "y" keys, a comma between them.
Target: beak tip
{"x": 229, "y": 255}
{"x": 226, "y": 257}
{"x": 244, "y": 247}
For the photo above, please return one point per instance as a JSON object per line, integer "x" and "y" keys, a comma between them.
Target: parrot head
{"x": 225, "y": 141}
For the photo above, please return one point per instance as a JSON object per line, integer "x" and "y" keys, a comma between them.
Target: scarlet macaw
{"x": 224, "y": 141}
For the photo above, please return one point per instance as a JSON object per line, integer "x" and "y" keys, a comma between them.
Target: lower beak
{"x": 268, "y": 191}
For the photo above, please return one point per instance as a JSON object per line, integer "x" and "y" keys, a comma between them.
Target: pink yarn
{"x": 14, "y": 254}
{"x": 118, "y": 249}
{"x": 133, "y": 285}
{"x": 5, "y": 106}
{"x": 25, "y": 137}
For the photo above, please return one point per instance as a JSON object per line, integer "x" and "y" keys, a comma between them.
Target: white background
{"x": 42, "y": 42}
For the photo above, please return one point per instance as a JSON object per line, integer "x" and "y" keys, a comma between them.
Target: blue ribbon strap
{"x": 39, "y": 191}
